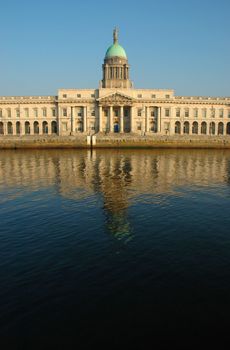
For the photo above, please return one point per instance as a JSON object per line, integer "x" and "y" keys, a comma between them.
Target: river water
{"x": 113, "y": 245}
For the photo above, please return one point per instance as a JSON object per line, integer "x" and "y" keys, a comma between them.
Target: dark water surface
{"x": 114, "y": 245}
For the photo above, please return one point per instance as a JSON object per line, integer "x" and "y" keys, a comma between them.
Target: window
{"x": 186, "y": 113}
{"x": 167, "y": 112}
{"x": 27, "y": 112}
{"x": 139, "y": 112}
{"x": 93, "y": 95}
{"x": 93, "y": 114}
{"x": 64, "y": 96}
{"x": 64, "y": 112}
{"x": 213, "y": 113}
{"x": 152, "y": 113}
{"x": 78, "y": 95}
{"x": 53, "y": 112}
{"x": 139, "y": 126}
{"x": 18, "y": 113}
{"x": 153, "y": 96}
{"x": 204, "y": 113}
{"x": 9, "y": 113}
{"x": 167, "y": 96}
{"x": 116, "y": 113}
{"x": 0, "y": 113}
{"x": 44, "y": 112}
{"x": 229, "y": 113}
{"x": 35, "y": 112}
{"x": 106, "y": 113}
{"x": 221, "y": 113}
{"x": 178, "y": 112}
{"x": 79, "y": 114}
{"x": 195, "y": 113}
{"x": 139, "y": 96}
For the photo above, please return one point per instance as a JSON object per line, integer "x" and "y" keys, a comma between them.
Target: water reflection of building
{"x": 119, "y": 176}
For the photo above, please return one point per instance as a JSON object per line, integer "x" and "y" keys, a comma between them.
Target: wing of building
{"x": 115, "y": 107}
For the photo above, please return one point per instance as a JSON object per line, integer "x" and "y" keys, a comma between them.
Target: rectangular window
{"x": 93, "y": 113}
{"x": 64, "y": 111}
{"x": 152, "y": 113}
{"x": 79, "y": 114}
{"x": 93, "y": 95}
{"x": 167, "y": 96}
{"x": 221, "y": 113}
{"x": 106, "y": 112}
{"x": 153, "y": 96}
{"x": 78, "y": 95}
{"x": 27, "y": 112}
{"x": 64, "y": 96}
{"x": 213, "y": 113}
{"x": 64, "y": 126}
{"x": 44, "y": 112}
{"x": 53, "y": 112}
{"x": 195, "y": 113}
{"x": 17, "y": 113}
{"x": 178, "y": 112}
{"x": 139, "y": 96}
{"x": 229, "y": 113}
{"x": 139, "y": 112}
{"x": 35, "y": 112}
{"x": 0, "y": 113}
{"x": 139, "y": 126}
{"x": 204, "y": 113}
{"x": 116, "y": 113}
{"x": 9, "y": 113}
{"x": 167, "y": 112}
{"x": 186, "y": 113}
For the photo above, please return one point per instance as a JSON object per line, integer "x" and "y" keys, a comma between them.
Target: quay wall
{"x": 113, "y": 141}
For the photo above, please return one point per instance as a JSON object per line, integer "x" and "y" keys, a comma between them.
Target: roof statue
{"x": 115, "y": 36}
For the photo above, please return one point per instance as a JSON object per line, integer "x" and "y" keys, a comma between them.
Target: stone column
{"x": 100, "y": 119}
{"x": 147, "y": 119}
{"x": 22, "y": 127}
{"x": 131, "y": 119}
{"x": 159, "y": 120}
{"x": 85, "y": 119}
{"x": 121, "y": 119}
{"x": 72, "y": 121}
{"x": 58, "y": 121}
{"x": 40, "y": 128}
{"x": 111, "y": 119}
{"x": 32, "y": 127}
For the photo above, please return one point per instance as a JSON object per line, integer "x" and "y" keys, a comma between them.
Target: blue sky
{"x": 47, "y": 45}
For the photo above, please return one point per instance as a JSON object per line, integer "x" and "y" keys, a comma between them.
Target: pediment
{"x": 115, "y": 98}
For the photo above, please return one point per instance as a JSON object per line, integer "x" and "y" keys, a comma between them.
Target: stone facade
{"x": 116, "y": 107}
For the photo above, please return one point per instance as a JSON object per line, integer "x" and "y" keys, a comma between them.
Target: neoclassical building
{"x": 115, "y": 107}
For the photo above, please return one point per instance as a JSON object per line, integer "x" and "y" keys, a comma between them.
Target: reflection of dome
{"x": 115, "y": 50}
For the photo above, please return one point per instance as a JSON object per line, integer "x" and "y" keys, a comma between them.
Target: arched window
{"x": 228, "y": 128}
{"x": 18, "y": 128}
{"x": 36, "y": 128}
{"x": 195, "y": 128}
{"x": 204, "y": 128}
{"x": 45, "y": 128}
{"x": 212, "y": 128}
{"x": 9, "y": 128}
{"x": 186, "y": 127}
{"x": 177, "y": 128}
{"x": 220, "y": 128}
{"x": 1, "y": 128}
{"x": 27, "y": 128}
{"x": 54, "y": 127}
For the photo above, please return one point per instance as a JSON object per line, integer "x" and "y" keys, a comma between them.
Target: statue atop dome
{"x": 115, "y": 36}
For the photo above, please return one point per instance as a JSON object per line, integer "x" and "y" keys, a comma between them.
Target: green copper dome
{"x": 115, "y": 50}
